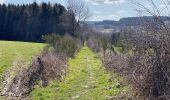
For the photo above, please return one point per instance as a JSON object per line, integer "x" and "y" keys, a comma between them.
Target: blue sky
{"x": 103, "y": 9}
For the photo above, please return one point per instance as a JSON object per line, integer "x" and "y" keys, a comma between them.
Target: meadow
{"x": 10, "y": 51}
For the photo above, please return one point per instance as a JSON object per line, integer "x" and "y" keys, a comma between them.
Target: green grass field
{"x": 10, "y": 51}
{"x": 87, "y": 80}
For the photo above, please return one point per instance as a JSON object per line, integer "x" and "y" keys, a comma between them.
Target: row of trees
{"x": 29, "y": 22}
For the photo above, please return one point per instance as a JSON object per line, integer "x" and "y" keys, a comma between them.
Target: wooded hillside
{"x": 29, "y": 22}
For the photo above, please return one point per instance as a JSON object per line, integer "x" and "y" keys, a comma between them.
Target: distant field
{"x": 10, "y": 51}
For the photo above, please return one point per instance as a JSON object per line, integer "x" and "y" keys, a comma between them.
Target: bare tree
{"x": 80, "y": 11}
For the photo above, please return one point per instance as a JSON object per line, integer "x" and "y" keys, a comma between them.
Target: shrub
{"x": 53, "y": 66}
{"x": 66, "y": 45}
{"x": 98, "y": 42}
{"x": 20, "y": 82}
{"x": 94, "y": 44}
{"x": 118, "y": 63}
{"x": 150, "y": 78}
{"x": 150, "y": 63}
{"x": 51, "y": 39}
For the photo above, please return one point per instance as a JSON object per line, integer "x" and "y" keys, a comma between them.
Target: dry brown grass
{"x": 20, "y": 82}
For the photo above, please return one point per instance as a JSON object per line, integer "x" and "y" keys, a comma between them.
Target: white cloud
{"x": 162, "y": 6}
{"x": 97, "y": 12}
{"x": 104, "y": 17}
{"x": 99, "y": 2}
{"x": 148, "y": 6}
{"x": 121, "y": 12}
{"x": 2, "y": 1}
{"x": 119, "y": 1}
{"x": 99, "y": 15}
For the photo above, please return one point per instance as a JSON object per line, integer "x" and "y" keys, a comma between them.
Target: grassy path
{"x": 87, "y": 80}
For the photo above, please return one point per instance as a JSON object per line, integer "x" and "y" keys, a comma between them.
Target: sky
{"x": 104, "y": 9}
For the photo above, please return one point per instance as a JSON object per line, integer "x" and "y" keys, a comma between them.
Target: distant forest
{"x": 29, "y": 22}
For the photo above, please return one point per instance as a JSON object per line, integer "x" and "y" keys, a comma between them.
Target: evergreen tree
{"x": 29, "y": 22}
